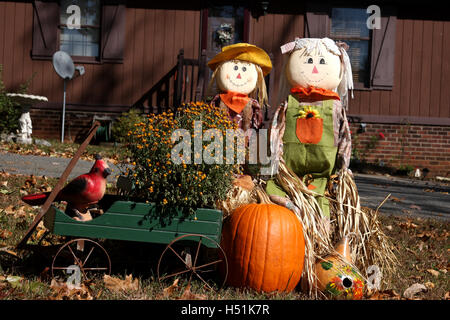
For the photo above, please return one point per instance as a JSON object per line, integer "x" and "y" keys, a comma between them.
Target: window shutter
{"x": 45, "y": 28}
{"x": 317, "y": 21}
{"x": 113, "y": 32}
{"x": 383, "y": 51}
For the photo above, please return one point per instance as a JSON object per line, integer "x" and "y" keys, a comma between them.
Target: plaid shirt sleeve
{"x": 342, "y": 136}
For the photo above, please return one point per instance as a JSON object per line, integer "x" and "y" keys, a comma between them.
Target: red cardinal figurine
{"x": 81, "y": 192}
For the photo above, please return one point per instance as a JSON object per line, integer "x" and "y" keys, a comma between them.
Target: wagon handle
{"x": 60, "y": 184}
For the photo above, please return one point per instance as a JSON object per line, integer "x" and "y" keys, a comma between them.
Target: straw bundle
{"x": 315, "y": 225}
{"x": 236, "y": 197}
{"x": 370, "y": 245}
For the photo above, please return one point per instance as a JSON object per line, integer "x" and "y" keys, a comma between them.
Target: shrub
{"x": 9, "y": 112}
{"x": 125, "y": 123}
{"x": 186, "y": 185}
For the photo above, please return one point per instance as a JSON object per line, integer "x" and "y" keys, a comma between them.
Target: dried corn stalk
{"x": 369, "y": 244}
{"x": 315, "y": 227}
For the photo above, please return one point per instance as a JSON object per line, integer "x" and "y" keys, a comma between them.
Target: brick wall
{"x": 420, "y": 146}
{"x": 47, "y": 123}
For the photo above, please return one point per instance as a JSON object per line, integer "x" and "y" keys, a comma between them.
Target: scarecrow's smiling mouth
{"x": 238, "y": 85}
{"x": 314, "y": 81}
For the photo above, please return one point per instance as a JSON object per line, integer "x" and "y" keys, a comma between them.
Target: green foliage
{"x": 186, "y": 185}
{"x": 407, "y": 168}
{"x": 9, "y": 112}
{"x": 125, "y": 123}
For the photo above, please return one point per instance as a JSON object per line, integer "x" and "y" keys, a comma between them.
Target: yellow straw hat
{"x": 244, "y": 52}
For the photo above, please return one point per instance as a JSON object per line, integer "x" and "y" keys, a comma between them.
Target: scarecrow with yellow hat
{"x": 239, "y": 72}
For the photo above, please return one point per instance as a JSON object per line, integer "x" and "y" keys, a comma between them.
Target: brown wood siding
{"x": 421, "y": 75}
{"x": 153, "y": 39}
{"x": 272, "y": 31}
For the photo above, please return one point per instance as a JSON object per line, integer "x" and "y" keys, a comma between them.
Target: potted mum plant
{"x": 186, "y": 185}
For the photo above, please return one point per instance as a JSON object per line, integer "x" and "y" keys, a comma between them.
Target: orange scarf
{"x": 315, "y": 94}
{"x": 235, "y": 101}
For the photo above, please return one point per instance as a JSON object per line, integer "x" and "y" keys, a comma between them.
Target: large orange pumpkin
{"x": 265, "y": 248}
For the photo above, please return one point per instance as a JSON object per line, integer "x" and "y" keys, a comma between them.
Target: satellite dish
{"x": 63, "y": 65}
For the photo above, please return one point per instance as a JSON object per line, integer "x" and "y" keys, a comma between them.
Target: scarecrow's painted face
{"x": 318, "y": 70}
{"x": 237, "y": 76}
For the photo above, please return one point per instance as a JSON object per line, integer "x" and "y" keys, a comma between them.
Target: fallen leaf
{"x": 188, "y": 295}
{"x": 4, "y": 183}
{"x": 413, "y": 290}
{"x": 430, "y": 285}
{"x": 5, "y": 234}
{"x": 424, "y": 236}
{"x": 389, "y": 227}
{"x": 116, "y": 284}
{"x": 421, "y": 244}
{"x": 63, "y": 292}
{"x": 408, "y": 225}
{"x": 383, "y": 295}
{"x": 444, "y": 271}
{"x": 447, "y": 295}
{"x": 395, "y": 199}
{"x": 170, "y": 289}
{"x": 433, "y": 272}
{"x": 7, "y": 250}
{"x": 30, "y": 182}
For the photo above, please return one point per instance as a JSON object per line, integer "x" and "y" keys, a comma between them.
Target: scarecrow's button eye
{"x": 322, "y": 61}
{"x": 310, "y": 60}
{"x": 236, "y": 67}
{"x": 347, "y": 282}
{"x": 244, "y": 69}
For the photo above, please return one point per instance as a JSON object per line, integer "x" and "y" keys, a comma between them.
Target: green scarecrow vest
{"x": 308, "y": 146}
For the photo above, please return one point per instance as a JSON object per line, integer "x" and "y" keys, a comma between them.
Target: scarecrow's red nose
{"x": 238, "y": 76}
{"x": 315, "y": 70}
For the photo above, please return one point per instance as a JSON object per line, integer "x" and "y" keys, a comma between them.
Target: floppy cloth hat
{"x": 244, "y": 52}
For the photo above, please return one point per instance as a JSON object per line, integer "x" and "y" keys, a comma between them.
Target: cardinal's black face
{"x": 101, "y": 168}
{"x": 106, "y": 172}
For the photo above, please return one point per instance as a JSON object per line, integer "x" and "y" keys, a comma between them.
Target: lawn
{"x": 423, "y": 252}
{"x": 114, "y": 152}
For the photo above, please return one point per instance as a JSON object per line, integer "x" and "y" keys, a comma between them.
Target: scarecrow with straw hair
{"x": 311, "y": 139}
{"x": 315, "y": 140}
{"x": 238, "y": 72}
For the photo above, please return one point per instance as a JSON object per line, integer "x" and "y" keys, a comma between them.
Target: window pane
{"x": 89, "y": 11}
{"x": 84, "y": 41}
{"x": 359, "y": 58}
{"x": 80, "y": 42}
{"x": 349, "y": 22}
{"x": 349, "y": 26}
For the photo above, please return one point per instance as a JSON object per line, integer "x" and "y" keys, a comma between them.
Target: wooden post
{"x": 179, "y": 79}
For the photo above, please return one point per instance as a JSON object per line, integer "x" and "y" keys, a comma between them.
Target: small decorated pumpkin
{"x": 337, "y": 277}
{"x": 265, "y": 248}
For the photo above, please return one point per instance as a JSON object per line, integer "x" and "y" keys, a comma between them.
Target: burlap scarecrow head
{"x": 241, "y": 68}
{"x": 320, "y": 63}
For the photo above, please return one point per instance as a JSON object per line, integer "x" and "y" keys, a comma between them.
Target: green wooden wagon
{"x": 186, "y": 238}
{"x": 192, "y": 241}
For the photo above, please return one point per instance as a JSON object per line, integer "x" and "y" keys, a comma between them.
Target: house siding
{"x": 420, "y": 95}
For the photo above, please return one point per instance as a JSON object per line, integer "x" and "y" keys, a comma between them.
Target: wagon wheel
{"x": 79, "y": 260}
{"x": 194, "y": 261}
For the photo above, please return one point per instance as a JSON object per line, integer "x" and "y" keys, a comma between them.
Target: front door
{"x": 222, "y": 26}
